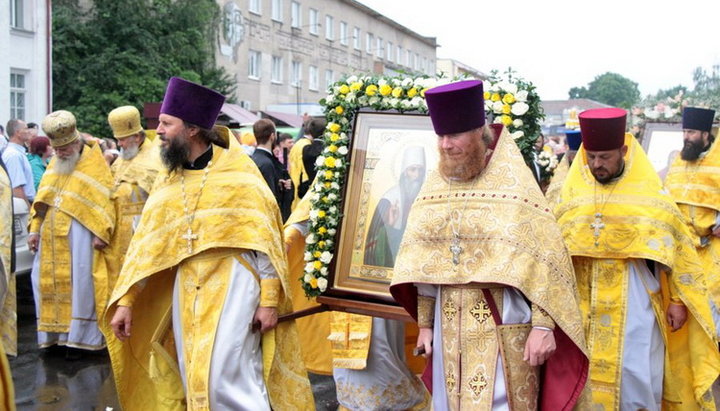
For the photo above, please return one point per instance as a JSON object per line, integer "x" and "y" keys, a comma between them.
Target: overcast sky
{"x": 559, "y": 44}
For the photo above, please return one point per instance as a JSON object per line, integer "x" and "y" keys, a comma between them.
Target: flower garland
{"x": 344, "y": 99}
{"x": 513, "y": 102}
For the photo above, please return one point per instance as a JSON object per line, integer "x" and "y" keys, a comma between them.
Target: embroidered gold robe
{"x": 556, "y": 182}
{"x": 695, "y": 186}
{"x": 134, "y": 179}
{"x": 297, "y": 171}
{"x": 639, "y": 221}
{"x": 7, "y": 291}
{"x": 509, "y": 238}
{"x": 84, "y": 196}
{"x": 235, "y": 213}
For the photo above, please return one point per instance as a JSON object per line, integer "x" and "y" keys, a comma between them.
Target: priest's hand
{"x": 539, "y": 347}
{"x": 98, "y": 244}
{"x": 676, "y": 315}
{"x": 424, "y": 340}
{"x": 121, "y": 322}
{"x": 267, "y": 318}
{"x": 33, "y": 240}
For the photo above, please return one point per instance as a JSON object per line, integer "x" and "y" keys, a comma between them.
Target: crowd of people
{"x": 181, "y": 254}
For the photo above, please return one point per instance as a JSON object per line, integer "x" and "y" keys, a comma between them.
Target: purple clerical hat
{"x": 192, "y": 102}
{"x": 456, "y": 107}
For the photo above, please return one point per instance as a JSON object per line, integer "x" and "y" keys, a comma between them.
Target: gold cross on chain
{"x": 190, "y": 237}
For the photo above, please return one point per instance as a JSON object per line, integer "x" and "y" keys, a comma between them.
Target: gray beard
{"x": 130, "y": 153}
{"x": 67, "y": 166}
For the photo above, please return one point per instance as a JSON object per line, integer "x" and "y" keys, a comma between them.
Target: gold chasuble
{"x": 83, "y": 195}
{"x": 556, "y": 182}
{"x": 313, "y": 330}
{"x": 508, "y": 237}
{"x": 297, "y": 171}
{"x": 134, "y": 179}
{"x": 235, "y": 213}
{"x": 695, "y": 186}
{"x": 7, "y": 291}
{"x": 605, "y": 226}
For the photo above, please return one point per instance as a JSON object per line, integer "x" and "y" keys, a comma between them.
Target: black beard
{"x": 691, "y": 150}
{"x": 175, "y": 154}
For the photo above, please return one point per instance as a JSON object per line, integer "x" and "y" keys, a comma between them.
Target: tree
{"x": 123, "y": 52}
{"x": 609, "y": 88}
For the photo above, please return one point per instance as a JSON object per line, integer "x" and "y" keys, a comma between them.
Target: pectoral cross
{"x": 455, "y": 249}
{"x": 190, "y": 237}
{"x": 597, "y": 225}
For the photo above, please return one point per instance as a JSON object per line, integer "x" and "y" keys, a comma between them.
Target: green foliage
{"x": 123, "y": 52}
{"x": 609, "y": 88}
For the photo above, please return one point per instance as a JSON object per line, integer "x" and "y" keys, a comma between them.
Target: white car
{"x": 23, "y": 256}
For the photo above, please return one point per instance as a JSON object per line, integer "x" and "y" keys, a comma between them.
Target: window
{"x": 368, "y": 42}
{"x": 314, "y": 21}
{"x": 17, "y": 95}
{"x": 313, "y": 78}
{"x": 343, "y": 33}
{"x": 408, "y": 58}
{"x": 295, "y": 15}
{"x": 356, "y": 38}
{"x": 329, "y": 79}
{"x": 254, "y": 64}
{"x": 296, "y": 79}
{"x": 399, "y": 54}
{"x": 277, "y": 6}
{"x": 417, "y": 61}
{"x": 329, "y": 28}
{"x": 276, "y": 74}
{"x": 254, "y": 6}
{"x": 390, "y": 51}
{"x": 17, "y": 14}
{"x": 379, "y": 47}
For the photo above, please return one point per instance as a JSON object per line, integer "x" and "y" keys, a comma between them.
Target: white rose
{"x": 417, "y": 101}
{"x": 338, "y": 163}
{"x": 352, "y": 79}
{"x": 332, "y": 196}
{"x": 493, "y": 88}
{"x": 330, "y": 99}
{"x": 363, "y": 100}
{"x": 406, "y": 103}
{"x": 310, "y": 239}
{"x": 313, "y": 214}
{"x": 497, "y": 120}
{"x": 307, "y": 278}
{"x": 517, "y": 134}
{"x": 335, "y": 186}
{"x": 521, "y": 95}
{"x": 309, "y": 268}
{"x": 396, "y": 82}
{"x": 510, "y": 88}
{"x": 344, "y": 120}
{"x": 343, "y": 150}
{"x": 326, "y": 257}
{"x": 350, "y": 98}
{"x": 332, "y": 221}
{"x": 543, "y": 162}
{"x": 330, "y": 242}
{"x": 406, "y": 82}
{"x": 394, "y": 102}
{"x": 323, "y": 270}
{"x": 332, "y": 209}
{"x": 330, "y": 232}
{"x": 307, "y": 256}
{"x": 314, "y": 197}
{"x": 497, "y": 107}
{"x": 322, "y": 284}
{"x": 373, "y": 100}
{"x": 382, "y": 82}
{"x": 652, "y": 114}
{"x": 517, "y": 122}
{"x": 320, "y": 161}
{"x": 519, "y": 108}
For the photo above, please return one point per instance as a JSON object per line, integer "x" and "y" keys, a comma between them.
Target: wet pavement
{"x": 45, "y": 380}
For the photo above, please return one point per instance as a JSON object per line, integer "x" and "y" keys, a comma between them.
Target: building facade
{"x": 453, "y": 68}
{"x": 284, "y": 53}
{"x": 25, "y": 61}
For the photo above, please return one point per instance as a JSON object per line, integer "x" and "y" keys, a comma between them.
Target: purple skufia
{"x": 696, "y": 118}
{"x": 192, "y": 103}
{"x": 456, "y": 107}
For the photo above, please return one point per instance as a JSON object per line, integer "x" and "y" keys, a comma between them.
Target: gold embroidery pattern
{"x": 481, "y": 311}
{"x": 450, "y": 382}
{"x": 449, "y": 310}
{"x": 477, "y": 384}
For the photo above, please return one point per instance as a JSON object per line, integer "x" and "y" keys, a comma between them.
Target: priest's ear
{"x": 624, "y": 150}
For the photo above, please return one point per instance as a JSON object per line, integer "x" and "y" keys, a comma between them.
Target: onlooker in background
{"x": 248, "y": 142}
{"x": 18, "y": 166}
{"x": 316, "y": 128}
{"x": 39, "y": 157}
{"x": 33, "y": 129}
{"x": 296, "y": 169}
{"x": 284, "y": 142}
{"x": 270, "y": 168}
{"x": 3, "y": 139}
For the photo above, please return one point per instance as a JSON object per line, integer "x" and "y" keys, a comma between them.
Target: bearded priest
{"x": 196, "y": 304}
{"x": 642, "y": 290}
{"x": 483, "y": 270}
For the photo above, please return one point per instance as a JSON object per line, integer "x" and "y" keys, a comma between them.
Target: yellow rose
{"x": 329, "y": 175}
{"x": 339, "y": 109}
{"x": 371, "y": 90}
{"x": 330, "y": 162}
{"x": 317, "y": 254}
{"x": 313, "y": 282}
{"x": 321, "y": 214}
{"x": 324, "y": 199}
{"x": 322, "y": 230}
{"x": 397, "y": 92}
{"x": 506, "y": 120}
{"x": 344, "y": 89}
{"x": 422, "y": 93}
{"x": 333, "y": 147}
{"x": 412, "y": 92}
{"x": 486, "y": 95}
{"x": 356, "y": 86}
{"x": 385, "y": 89}
{"x": 334, "y": 127}
{"x": 317, "y": 264}
{"x": 506, "y": 109}
{"x": 495, "y": 97}
{"x": 508, "y": 98}
{"x": 321, "y": 244}
{"x": 334, "y": 137}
